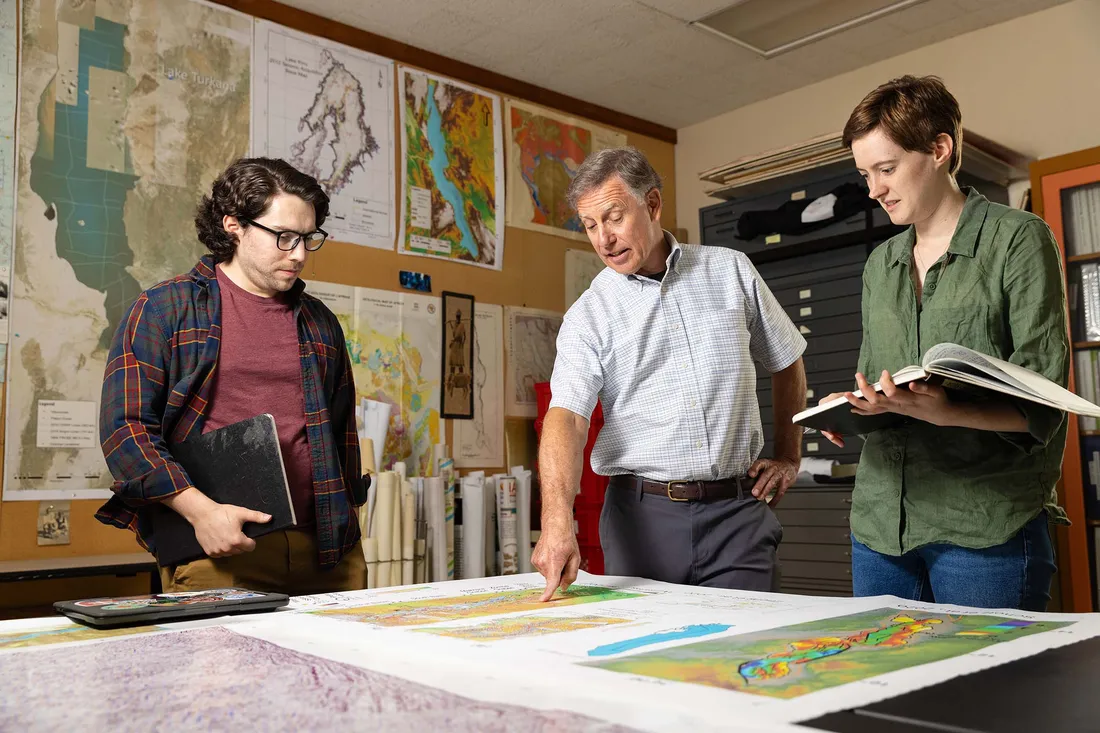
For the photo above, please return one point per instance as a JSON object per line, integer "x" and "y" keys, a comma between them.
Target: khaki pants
{"x": 283, "y": 562}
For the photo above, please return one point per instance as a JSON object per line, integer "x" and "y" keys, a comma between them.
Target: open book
{"x": 952, "y": 363}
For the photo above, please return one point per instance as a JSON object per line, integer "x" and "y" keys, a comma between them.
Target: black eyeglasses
{"x": 287, "y": 240}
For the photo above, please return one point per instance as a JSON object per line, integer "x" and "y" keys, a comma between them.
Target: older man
{"x": 665, "y": 338}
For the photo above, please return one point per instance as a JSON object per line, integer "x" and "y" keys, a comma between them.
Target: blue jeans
{"x": 1016, "y": 574}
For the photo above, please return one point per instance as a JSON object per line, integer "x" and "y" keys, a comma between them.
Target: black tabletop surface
{"x": 1057, "y": 690}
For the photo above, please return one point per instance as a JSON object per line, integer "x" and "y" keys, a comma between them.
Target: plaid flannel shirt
{"x": 156, "y": 391}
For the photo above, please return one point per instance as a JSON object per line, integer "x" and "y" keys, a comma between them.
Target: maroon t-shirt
{"x": 258, "y": 371}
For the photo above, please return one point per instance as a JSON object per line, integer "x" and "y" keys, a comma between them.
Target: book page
{"x": 959, "y": 362}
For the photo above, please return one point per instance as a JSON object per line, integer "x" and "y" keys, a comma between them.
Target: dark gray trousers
{"x": 726, "y": 543}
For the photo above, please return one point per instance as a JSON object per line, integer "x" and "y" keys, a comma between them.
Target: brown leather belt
{"x": 730, "y": 488}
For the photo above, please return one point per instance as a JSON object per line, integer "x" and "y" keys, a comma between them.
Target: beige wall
{"x": 1032, "y": 83}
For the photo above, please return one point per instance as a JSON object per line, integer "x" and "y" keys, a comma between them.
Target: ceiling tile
{"x": 688, "y": 10}
{"x": 641, "y": 57}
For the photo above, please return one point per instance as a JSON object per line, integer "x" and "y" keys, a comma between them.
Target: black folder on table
{"x": 238, "y": 464}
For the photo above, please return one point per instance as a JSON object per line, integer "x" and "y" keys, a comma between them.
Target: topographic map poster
{"x": 581, "y": 268}
{"x": 393, "y": 340}
{"x": 9, "y": 42}
{"x": 531, "y": 344}
{"x": 327, "y": 109}
{"x": 480, "y": 442}
{"x": 452, "y": 192}
{"x": 545, "y": 149}
{"x": 127, "y": 112}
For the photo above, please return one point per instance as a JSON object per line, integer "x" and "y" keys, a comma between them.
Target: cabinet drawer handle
{"x": 724, "y": 215}
{"x": 723, "y": 230}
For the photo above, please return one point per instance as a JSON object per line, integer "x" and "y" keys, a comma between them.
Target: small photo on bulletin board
{"x": 458, "y": 356}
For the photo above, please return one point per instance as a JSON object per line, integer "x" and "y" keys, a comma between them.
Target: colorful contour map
{"x": 452, "y": 608}
{"x": 796, "y": 660}
{"x": 517, "y": 627}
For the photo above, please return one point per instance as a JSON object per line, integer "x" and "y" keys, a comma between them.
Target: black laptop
{"x": 165, "y": 607}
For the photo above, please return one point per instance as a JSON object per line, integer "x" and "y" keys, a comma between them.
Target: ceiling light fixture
{"x": 769, "y": 28}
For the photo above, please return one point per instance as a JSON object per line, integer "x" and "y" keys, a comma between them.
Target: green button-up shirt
{"x": 999, "y": 290}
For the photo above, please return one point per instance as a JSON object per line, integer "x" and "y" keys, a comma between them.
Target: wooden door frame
{"x": 1059, "y": 173}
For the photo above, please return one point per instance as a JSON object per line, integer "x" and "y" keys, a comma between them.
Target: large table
{"x": 487, "y": 655}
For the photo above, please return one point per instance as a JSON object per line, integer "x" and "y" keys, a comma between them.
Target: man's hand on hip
{"x": 557, "y": 557}
{"x": 772, "y": 474}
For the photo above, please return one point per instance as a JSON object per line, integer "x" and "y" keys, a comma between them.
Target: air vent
{"x": 770, "y": 28}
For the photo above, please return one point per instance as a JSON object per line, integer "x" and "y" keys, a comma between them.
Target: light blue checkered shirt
{"x": 672, "y": 364}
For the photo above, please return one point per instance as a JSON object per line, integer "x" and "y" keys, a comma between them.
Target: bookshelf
{"x": 1066, "y": 194}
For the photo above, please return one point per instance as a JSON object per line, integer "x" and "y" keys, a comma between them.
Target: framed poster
{"x": 458, "y": 356}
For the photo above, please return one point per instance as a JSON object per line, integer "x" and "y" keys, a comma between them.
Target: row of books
{"x": 1081, "y": 218}
{"x": 1085, "y": 300}
{"x": 1086, "y": 365}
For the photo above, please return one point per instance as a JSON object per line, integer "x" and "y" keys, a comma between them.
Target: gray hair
{"x": 626, "y": 162}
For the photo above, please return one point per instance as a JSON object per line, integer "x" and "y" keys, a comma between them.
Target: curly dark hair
{"x": 245, "y": 190}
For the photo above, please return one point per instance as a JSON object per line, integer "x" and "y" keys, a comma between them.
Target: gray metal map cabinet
{"x": 817, "y": 277}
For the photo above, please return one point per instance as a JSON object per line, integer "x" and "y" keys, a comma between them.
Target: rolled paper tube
{"x": 396, "y": 569}
{"x": 384, "y": 575}
{"x": 395, "y": 538}
{"x": 506, "y": 525}
{"x": 370, "y": 553}
{"x": 435, "y": 496}
{"x": 408, "y": 541}
{"x": 439, "y": 453}
{"x": 364, "y": 520}
{"x": 366, "y": 455}
{"x": 473, "y": 527}
{"x": 422, "y": 559}
{"x": 447, "y": 472}
{"x": 408, "y": 527}
{"x": 383, "y": 520}
{"x": 523, "y": 518}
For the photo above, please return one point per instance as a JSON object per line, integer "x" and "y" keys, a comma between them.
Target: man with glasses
{"x": 234, "y": 338}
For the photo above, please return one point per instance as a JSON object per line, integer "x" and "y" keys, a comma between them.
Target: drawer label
{"x": 798, "y": 195}
{"x": 803, "y": 330}
{"x": 803, "y": 294}
{"x": 809, "y": 394}
{"x": 772, "y": 239}
{"x": 806, "y": 310}
{"x": 811, "y": 447}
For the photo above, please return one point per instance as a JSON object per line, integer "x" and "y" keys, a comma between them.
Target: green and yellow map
{"x": 792, "y": 661}
{"x": 435, "y": 610}
{"x": 453, "y": 177}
